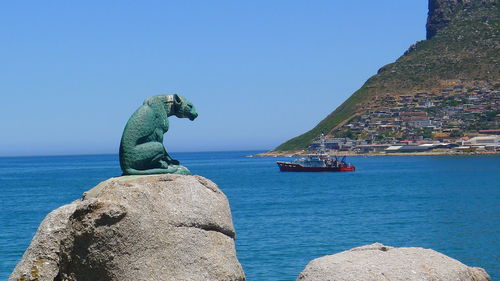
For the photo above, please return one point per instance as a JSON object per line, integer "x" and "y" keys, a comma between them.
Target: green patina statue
{"x": 141, "y": 148}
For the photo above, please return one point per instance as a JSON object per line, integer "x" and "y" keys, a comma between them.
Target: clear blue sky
{"x": 259, "y": 72}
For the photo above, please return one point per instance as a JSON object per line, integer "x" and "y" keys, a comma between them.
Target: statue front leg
{"x": 172, "y": 161}
{"x": 169, "y": 159}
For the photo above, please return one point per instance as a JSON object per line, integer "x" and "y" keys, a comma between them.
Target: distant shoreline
{"x": 345, "y": 153}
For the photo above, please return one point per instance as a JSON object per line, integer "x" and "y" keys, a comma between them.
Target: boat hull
{"x": 294, "y": 167}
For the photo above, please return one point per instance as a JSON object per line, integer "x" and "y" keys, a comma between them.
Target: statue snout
{"x": 193, "y": 116}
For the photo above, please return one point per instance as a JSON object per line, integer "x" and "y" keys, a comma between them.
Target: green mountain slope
{"x": 463, "y": 46}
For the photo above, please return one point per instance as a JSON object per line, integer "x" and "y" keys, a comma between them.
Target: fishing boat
{"x": 319, "y": 162}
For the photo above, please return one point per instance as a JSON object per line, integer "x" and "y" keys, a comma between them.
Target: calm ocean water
{"x": 283, "y": 220}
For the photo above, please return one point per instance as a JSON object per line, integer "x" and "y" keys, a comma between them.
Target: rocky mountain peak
{"x": 441, "y": 12}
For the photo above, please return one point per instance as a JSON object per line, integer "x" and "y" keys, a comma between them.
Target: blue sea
{"x": 283, "y": 220}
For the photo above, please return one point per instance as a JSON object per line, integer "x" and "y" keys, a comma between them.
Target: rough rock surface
{"x": 159, "y": 227}
{"x": 382, "y": 263}
{"x": 441, "y": 13}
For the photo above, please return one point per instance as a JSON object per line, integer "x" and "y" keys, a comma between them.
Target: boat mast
{"x": 322, "y": 146}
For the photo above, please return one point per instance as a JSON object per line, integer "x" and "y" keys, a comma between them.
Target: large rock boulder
{"x": 159, "y": 227}
{"x": 381, "y": 263}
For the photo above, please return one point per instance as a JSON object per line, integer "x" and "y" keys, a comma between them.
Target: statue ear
{"x": 177, "y": 99}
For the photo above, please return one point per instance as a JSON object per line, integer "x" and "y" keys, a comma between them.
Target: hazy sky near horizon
{"x": 259, "y": 72}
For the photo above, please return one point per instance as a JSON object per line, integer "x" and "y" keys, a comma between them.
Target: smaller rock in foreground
{"x": 379, "y": 262}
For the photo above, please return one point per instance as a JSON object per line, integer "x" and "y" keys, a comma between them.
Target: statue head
{"x": 183, "y": 108}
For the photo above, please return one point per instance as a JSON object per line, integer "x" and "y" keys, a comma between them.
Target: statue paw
{"x": 181, "y": 170}
{"x": 175, "y": 169}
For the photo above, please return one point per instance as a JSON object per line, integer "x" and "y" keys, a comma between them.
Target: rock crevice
{"x": 210, "y": 227}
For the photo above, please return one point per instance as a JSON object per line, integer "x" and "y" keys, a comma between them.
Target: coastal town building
{"x": 491, "y": 143}
{"x": 431, "y": 120}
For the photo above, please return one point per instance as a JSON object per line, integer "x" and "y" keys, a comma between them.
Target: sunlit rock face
{"x": 158, "y": 227}
{"x": 377, "y": 262}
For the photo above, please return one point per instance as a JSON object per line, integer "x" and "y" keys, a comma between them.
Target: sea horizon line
{"x": 103, "y": 154}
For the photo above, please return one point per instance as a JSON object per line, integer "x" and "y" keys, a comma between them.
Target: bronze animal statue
{"x": 141, "y": 147}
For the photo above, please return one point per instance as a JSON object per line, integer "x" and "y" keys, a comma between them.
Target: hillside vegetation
{"x": 465, "y": 51}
